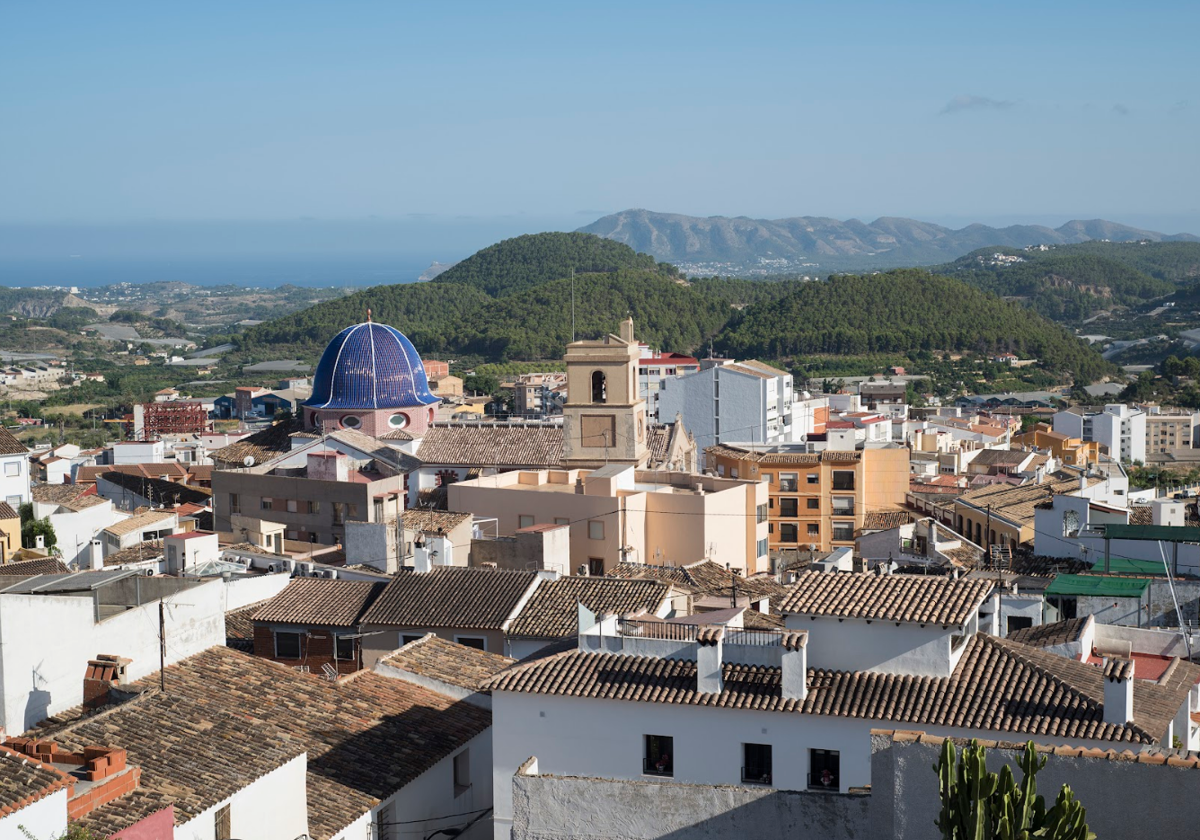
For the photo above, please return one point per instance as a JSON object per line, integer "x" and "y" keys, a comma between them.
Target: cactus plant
{"x": 981, "y": 805}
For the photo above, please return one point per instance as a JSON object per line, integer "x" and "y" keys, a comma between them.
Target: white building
{"x": 78, "y": 517}
{"x": 138, "y": 528}
{"x": 794, "y": 709}
{"x": 14, "y": 470}
{"x": 139, "y": 452}
{"x": 1120, "y": 428}
{"x": 745, "y": 401}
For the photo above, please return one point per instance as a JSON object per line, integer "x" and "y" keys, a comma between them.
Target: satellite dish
{"x": 248, "y": 461}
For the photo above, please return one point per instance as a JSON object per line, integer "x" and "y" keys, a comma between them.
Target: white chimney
{"x": 39, "y": 542}
{"x": 795, "y": 665}
{"x": 421, "y": 559}
{"x": 709, "y": 679}
{"x": 1118, "y": 691}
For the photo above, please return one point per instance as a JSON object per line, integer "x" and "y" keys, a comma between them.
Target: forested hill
{"x": 900, "y": 311}
{"x": 1072, "y": 282}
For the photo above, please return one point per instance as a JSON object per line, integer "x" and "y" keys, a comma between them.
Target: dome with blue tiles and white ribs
{"x": 370, "y": 379}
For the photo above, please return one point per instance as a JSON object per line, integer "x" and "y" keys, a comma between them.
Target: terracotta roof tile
{"x": 998, "y": 685}
{"x": 227, "y": 718}
{"x": 908, "y": 598}
{"x": 885, "y": 520}
{"x": 9, "y": 445}
{"x": 39, "y": 566}
{"x": 59, "y": 494}
{"x": 24, "y": 781}
{"x": 157, "y": 490}
{"x": 320, "y": 602}
{"x": 138, "y": 520}
{"x": 450, "y": 596}
{"x": 261, "y": 446}
{"x": 448, "y": 662}
{"x": 705, "y": 578}
{"x": 553, "y": 610}
{"x": 1047, "y": 635}
{"x": 493, "y": 444}
{"x": 143, "y": 551}
{"x": 419, "y": 519}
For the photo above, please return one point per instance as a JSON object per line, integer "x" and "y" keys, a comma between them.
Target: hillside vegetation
{"x": 503, "y": 306}
{"x": 900, "y": 311}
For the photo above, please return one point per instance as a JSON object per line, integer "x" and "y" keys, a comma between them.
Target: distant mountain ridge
{"x": 833, "y": 244}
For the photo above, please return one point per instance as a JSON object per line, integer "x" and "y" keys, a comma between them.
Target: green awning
{"x": 1100, "y": 586}
{"x": 1129, "y": 566}
{"x": 1166, "y": 533}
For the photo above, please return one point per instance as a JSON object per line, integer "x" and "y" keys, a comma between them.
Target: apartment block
{"x": 653, "y": 367}
{"x": 1118, "y": 428}
{"x": 731, "y": 401}
{"x": 1167, "y": 430}
{"x": 817, "y": 498}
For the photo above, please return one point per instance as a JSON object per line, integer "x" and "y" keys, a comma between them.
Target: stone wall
{"x": 572, "y": 808}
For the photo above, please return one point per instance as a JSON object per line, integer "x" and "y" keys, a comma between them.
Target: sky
{"x": 457, "y": 122}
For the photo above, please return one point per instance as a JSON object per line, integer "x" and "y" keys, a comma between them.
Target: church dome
{"x": 370, "y": 366}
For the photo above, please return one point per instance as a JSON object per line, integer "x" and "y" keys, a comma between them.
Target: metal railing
{"x": 757, "y": 638}
{"x": 658, "y": 630}
{"x": 756, "y": 775}
{"x": 815, "y": 783}
{"x": 650, "y": 767}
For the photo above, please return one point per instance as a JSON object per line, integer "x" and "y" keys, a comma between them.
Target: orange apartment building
{"x": 817, "y": 499}
{"x": 1072, "y": 452}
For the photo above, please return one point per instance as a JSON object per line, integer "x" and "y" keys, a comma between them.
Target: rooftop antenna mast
{"x": 572, "y": 306}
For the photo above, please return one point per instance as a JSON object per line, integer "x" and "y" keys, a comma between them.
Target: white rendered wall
{"x": 37, "y": 680}
{"x": 14, "y": 486}
{"x": 45, "y": 819}
{"x": 272, "y": 807}
{"x": 75, "y": 531}
{"x": 854, "y": 645}
{"x": 244, "y": 591}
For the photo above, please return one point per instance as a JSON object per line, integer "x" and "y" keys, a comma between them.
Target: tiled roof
{"x": 999, "y": 458}
{"x": 228, "y": 717}
{"x": 138, "y": 520}
{"x": 9, "y": 445}
{"x": 7, "y": 512}
{"x": 450, "y": 596}
{"x": 39, "y": 566}
{"x": 238, "y": 626}
{"x": 997, "y": 685}
{"x": 705, "y": 578}
{"x": 59, "y": 494}
{"x": 448, "y": 662}
{"x": 201, "y": 472}
{"x": 24, "y": 781}
{"x": 320, "y": 603}
{"x": 553, "y": 610}
{"x": 885, "y": 520}
{"x": 417, "y": 519}
{"x": 143, "y": 551}
{"x": 1141, "y": 515}
{"x": 172, "y": 472}
{"x": 908, "y": 598}
{"x": 724, "y": 450}
{"x": 158, "y": 491}
{"x": 1017, "y": 503}
{"x": 658, "y": 441}
{"x": 493, "y": 444}
{"x": 396, "y": 434}
{"x": 371, "y": 446}
{"x": 261, "y": 446}
{"x": 1046, "y": 635}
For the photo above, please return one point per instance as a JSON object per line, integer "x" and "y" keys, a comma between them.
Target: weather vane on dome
{"x": 368, "y": 316}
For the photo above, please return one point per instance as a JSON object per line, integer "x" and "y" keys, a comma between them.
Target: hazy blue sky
{"x": 128, "y": 112}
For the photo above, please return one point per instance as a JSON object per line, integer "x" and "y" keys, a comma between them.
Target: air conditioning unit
{"x": 148, "y": 572}
{"x": 329, "y": 573}
{"x": 271, "y": 567}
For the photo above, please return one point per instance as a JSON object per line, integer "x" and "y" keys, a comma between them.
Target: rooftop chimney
{"x": 1118, "y": 691}
{"x": 328, "y": 466}
{"x": 795, "y": 665}
{"x": 709, "y": 679}
{"x": 104, "y": 673}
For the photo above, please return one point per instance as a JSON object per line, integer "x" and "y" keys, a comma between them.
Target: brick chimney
{"x": 709, "y": 679}
{"x": 104, "y": 673}
{"x": 94, "y": 777}
{"x": 1118, "y": 691}
{"x": 794, "y": 661}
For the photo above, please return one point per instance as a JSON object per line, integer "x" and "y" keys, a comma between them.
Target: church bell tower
{"x": 604, "y": 418}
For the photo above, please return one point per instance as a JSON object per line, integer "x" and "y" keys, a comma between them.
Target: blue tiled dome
{"x": 370, "y": 366}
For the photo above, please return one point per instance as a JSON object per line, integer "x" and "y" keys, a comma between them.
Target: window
{"x": 843, "y": 531}
{"x": 287, "y": 645}
{"x": 659, "y": 757}
{"x": 406, "y": 638}
{"x": 223, "y": 825}
{"x": 599, "y": 387}
{"x": 596, "y": 566}
{"x": 235, "y": 503}
{"x": 398, "y": 421}
{"x": 813, "y": 504}
{"x": 787, "y": 532}
{"x": 525, "y": 521}
{"x": 314, "y": 507}
{"x": 813, "y": 478}
{"x": 265, "y": 504}
{"x": 787, "y": 482}
{"x": 343, "y": 648}
{"x": 339, "y": 513}
{"x": 788, "y": 507}
{"x": 351, "y": 421}
{"x": 762, "y": 513}
{"x": 561, "y": 520}
{"x": 756, "y": 764}
{"x": 595, "y": 530}
{"x": 462, "y": 772}
{"x": 814, "y": 530}
{"x": 352, "y": 512}
{"x": 762, "y": 548}
{"x": 733, "y": 472}
{"x": 12, "y": 468}
{"x": 843, "y": 505}
{"x": 843, "y": 479}
{"x": 477, "y": 642}
{"x": 1018, "y": 622}
{"x": 292, "y": 506}
{"x": 824, "y": 770}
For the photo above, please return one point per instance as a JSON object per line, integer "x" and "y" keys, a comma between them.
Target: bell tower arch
{"x": 604, "y": 418}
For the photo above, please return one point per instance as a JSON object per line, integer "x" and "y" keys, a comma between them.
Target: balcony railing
{"x": 650, "y": 767}
{"x": 756, "y": 775}
{"x": 815, "y": 782}
{"x": 658, "y": 630}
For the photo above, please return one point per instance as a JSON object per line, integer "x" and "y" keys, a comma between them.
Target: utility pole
{"x": 987, "y": 534}
{"x": 162, "y": 646}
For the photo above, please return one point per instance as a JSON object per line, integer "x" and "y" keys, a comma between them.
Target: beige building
{"x": 1167, "y": 431}
{"x": 539, "y": 394}
{"x": 604, "y": 418}
{"x": 817, "y": 498}
{"x": 620, "y": 514}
